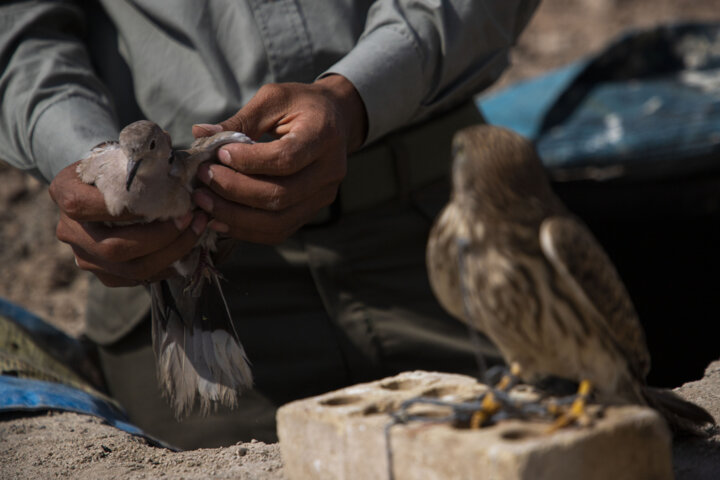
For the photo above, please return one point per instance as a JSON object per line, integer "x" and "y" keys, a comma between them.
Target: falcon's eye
{"x": 152, "y": 145}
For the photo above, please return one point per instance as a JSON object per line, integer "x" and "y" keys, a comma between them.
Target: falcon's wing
{"x": 574, "y": 252}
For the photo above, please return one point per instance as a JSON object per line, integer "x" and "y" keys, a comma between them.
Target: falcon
{"x": 199, "y": 355}
{"x": 507, "y": 257}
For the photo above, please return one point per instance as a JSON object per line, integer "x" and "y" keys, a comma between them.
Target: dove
{"x": 507, "y": 257}
{"x": 199, "y": 356}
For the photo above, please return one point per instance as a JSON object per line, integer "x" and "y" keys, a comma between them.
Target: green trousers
{"x": 341, "y": 302}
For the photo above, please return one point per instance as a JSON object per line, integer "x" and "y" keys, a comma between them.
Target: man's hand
{"x": 118, "y": 255}
{"x": 264, "y": 192}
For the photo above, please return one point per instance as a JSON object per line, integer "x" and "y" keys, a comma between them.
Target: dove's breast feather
{"x": 160, "y": 198}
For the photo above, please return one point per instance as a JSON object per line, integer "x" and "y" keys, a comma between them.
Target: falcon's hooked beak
{"x": 132, "y": 168}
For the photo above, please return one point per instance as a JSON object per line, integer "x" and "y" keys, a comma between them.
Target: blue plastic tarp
{"x": 647, "y": 106}
{"x": 31, "y": 395}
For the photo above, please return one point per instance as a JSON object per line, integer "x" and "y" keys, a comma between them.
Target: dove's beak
{"x": 132, "y": 168}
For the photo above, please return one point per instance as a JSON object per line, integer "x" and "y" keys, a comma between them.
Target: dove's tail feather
{"x": 199, "y": 356}
{"x": 683, "y": 417}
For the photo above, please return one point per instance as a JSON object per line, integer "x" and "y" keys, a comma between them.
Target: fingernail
{"x": 209, "y": 127}
{"x": 181, "y": 223}
{"x": 218, "y": 226}
{"x": 205, "y": 174}
{"x": 224, "y": 156}
{"x": 199, "y": 224}
{"x": 203, "y": 201}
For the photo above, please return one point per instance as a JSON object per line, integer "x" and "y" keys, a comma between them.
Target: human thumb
{"x": 242, "y": 122}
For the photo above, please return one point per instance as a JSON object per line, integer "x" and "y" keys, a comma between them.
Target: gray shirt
{"x": 73, "y": 72}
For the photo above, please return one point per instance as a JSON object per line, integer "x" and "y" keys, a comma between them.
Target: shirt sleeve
{"x": 53, "y": 107}
{"x": 416, "y": 57}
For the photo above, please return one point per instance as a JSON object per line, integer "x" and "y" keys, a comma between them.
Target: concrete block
{"x": 341, "y": 435}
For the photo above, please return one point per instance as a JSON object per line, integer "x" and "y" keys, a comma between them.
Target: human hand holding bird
{"x": 142, "y": 179}
{"x": 260, "y": 193}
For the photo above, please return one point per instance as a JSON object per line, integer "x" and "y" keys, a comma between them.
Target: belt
{"x": 400, "y": 163}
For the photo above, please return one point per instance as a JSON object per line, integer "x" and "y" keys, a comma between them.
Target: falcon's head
{"x": 497, "y": 172}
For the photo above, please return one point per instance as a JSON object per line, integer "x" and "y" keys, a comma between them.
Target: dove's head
{"x": 148, "y": 149}
{"x": 497, "y": 172}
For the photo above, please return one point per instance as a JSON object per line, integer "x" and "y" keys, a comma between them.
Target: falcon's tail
{"x": 683, "y": 417}
{"x": 199, "y": 355}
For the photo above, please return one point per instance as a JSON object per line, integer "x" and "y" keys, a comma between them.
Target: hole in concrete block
{"x": 341, "y": 400}
{"x": 517, "y": 434}
{"x": 438, "y": 392}
{"x": 406, "y": 384}
{"x": 372, "y": 410}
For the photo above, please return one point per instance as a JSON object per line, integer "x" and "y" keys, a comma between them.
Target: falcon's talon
{"x": 577, "y": 412}
{"x": 497, "y": 400}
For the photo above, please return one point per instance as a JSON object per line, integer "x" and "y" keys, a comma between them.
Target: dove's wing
{"x": 576, "y": 254}
{"x": 92, "y": 165}
{"x": 186, "y": 162}
{"x": 218, "y": 140}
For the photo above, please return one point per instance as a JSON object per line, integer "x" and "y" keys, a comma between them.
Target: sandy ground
{"x": 39, "y": 273}
{"x": 78, "y": 446}
{"x": 82, "y": 447}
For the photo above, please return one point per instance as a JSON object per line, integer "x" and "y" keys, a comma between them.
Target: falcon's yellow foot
{"x": 577, "y": 411}
{"x": 488, "y": 407}
{"x": 510, "y": 379}
{"x": 496, "y": 404}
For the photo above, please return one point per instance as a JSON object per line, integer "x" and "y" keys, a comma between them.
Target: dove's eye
{"x": 152, "y": 145}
